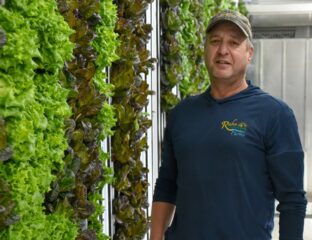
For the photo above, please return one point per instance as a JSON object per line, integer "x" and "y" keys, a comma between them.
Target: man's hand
{"x": 162, "y": 213}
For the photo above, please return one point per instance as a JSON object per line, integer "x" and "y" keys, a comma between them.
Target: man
{"x": 229, "y": 153}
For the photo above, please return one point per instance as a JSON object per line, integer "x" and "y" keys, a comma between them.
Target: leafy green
{"x": 129, "y": 140}
{"x": 106, "y": 42}
{"x": 33, "y": 105}
{"x": 171, "y": 71}
{"x": 97, "y": 199}
{"x": 52, "y": 34}
{"x": 85, "y": 174}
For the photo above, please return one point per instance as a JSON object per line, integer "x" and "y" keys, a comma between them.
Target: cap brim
{"x": 213, "y": 24}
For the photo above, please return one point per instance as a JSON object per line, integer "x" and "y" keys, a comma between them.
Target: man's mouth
{"x": 223, "y": 62}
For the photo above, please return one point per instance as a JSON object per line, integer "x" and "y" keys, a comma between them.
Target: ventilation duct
{"x": 282, "y": 15}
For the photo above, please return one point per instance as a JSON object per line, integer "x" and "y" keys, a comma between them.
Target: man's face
{"x": 227, "y": 52}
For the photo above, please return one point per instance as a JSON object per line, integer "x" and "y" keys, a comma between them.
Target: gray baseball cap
{"x": 232, "y": 16}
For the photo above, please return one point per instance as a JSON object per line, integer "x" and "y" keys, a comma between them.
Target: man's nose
{"x": 223, "y": 48}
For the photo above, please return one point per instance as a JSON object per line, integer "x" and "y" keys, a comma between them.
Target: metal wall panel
{"x": 283, "y": 67}
{"x": 108, "y": 196}
{"x": 153, "y": 109}
{"x": 277, "y": 1}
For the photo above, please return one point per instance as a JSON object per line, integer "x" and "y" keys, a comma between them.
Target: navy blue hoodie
{"x": 225, "y": 162}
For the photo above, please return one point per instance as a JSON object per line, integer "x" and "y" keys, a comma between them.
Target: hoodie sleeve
{"x": 166, "y": 187}
{"x": 285, "y": 159}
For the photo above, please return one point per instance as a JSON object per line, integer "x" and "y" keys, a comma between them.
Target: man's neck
{"x": 221, "y": 90}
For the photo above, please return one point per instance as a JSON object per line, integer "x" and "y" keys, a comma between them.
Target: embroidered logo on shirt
{"x": 235, "y": 127}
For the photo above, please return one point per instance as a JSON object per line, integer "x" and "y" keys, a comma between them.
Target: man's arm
{"x": 290, "y": 194}
{"x": 162, "y": 213}
{"x": 285, "y": 160}
{"x": 165, "y": 192}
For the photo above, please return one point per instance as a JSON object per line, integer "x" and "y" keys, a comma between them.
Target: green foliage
{"x": 105, "y": 45}
{"x": 219, "y": 5}
{"x": 242, "y": 7}
{"x": 195, "y": 77}
{"x": 33, "y": 105}
{"x": 130, "y": 99}
{"x": 49, "y": 26}
{"x": 106, "y": 116}
{"x": 97, "y": 200}
{"x": 85, "y": 174}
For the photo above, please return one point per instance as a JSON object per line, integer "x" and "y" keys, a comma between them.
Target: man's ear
{"x": 250, "y": 53}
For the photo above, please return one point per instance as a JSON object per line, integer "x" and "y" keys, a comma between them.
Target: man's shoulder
{"x": 188, "y": 102}
{"x": 187, "y": 106}
{"x": 269, "y": 101}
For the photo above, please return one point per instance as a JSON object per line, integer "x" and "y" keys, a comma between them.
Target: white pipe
{"x": 280, "y": 19}
{"x": 279, "y": 8}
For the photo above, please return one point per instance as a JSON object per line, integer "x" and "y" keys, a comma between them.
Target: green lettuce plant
{"x": 78, "y": 187}
{"x": 105, "y": 44}
{"x": 170, "y": 49}
{"x": 129, "y": 141}
{"x": 33, "y": 106}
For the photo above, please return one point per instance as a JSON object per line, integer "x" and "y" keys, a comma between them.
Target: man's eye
{"x": 214, "y": 41}
{"x": 234, "y": 43}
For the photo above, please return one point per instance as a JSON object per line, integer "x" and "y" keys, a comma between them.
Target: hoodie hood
{"x": 251, "y": 90}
